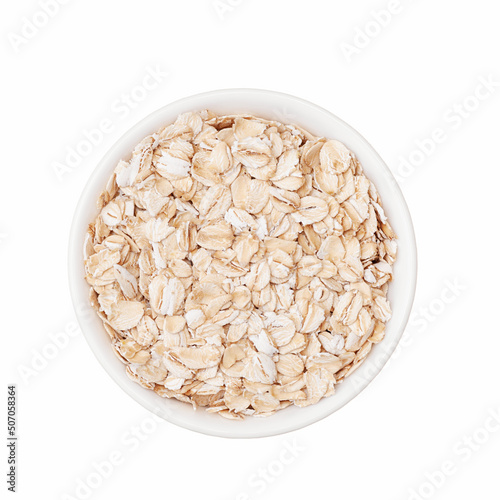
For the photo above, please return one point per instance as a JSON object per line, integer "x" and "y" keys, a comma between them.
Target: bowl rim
{"x": 75, "y": 255}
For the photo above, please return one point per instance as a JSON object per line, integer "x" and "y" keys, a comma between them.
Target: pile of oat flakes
{"x": 240, "y": 264}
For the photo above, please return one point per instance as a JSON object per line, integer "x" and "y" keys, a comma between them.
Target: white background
{"x": 429, "y": 408}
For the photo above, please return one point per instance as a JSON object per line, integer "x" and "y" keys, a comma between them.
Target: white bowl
{"x": 318, "y": 121}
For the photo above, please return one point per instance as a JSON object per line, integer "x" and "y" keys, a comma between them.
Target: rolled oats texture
{"x": 240, "y": 264}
